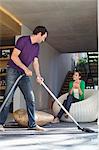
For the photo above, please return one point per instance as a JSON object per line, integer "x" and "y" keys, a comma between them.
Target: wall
{"x": 64, "y": 65}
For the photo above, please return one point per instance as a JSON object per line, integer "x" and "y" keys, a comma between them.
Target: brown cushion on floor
{"x": 42, "y": 118}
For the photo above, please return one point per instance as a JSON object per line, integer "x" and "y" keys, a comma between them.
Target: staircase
{"x": 65, "y": 85}
{"x": 92, "y": 78}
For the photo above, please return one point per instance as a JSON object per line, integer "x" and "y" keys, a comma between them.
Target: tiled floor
{"x": 62, "y": 136}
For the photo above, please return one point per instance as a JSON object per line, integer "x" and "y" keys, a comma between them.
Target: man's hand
{"x": 39, "y": 79}
{"x": 28, "y": 72}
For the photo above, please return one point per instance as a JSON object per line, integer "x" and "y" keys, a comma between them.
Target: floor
{"x": 61, "y": 136}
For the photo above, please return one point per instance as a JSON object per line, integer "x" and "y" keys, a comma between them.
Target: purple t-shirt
{"x": 28, "y": 52}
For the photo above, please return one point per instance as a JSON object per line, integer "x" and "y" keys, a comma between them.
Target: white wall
{"x": 54, "y": 67}
{"x": 64, "y": 65}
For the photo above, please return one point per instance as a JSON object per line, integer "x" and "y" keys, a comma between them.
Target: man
{"x": 76, "y": 94}
{"x": 25, "y": 52}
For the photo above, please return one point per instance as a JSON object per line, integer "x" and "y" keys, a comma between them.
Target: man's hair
{"x": 39, "y": 29}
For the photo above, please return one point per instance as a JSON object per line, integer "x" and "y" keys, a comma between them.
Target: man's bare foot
{"x": 37, "y": 128}
{"x": 56, "y": 120}
{"x": 2, "y": 128}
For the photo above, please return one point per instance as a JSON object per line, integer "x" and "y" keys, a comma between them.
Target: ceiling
{"x": 9, "y": 27}
{"x": 72, "y": 24}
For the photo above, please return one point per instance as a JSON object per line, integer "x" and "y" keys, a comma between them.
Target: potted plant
{"x": 82, "y": 65}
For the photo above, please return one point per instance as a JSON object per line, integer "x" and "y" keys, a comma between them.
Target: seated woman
{"x": 76, "y": 94}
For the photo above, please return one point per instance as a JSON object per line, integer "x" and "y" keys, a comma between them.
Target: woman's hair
{"x": 39, "y": 29}
{"x": 77, "y": 72}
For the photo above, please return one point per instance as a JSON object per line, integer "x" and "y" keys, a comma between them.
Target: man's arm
{"x": 15, "y": 58}
{"x": 36, "y": 67}
{"x": 37, "y": 70}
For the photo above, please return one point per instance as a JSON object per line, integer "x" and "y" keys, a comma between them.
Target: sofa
{"x": 82, "y": 111}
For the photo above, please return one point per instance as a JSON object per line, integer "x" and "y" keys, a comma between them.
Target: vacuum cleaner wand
{"x": 13, "y": 87}
{"x": 79, "y": 127}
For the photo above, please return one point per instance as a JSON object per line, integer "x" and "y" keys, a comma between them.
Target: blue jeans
{"x": 25, "y": 86}
{"x": 67, "y": 104}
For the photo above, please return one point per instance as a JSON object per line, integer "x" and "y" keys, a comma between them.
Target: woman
{"x": 76, "y": 94}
